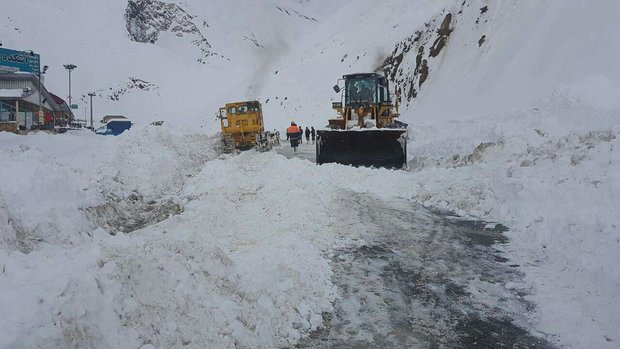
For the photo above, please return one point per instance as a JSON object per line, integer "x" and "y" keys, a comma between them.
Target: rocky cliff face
{"x": 147, "y": 19}
{"x": 408, "y": 65}
{"x": 417, "y": 61}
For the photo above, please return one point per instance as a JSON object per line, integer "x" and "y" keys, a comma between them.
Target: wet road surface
{"x": 421, "y": 279}
{"x": 424, "y": 279}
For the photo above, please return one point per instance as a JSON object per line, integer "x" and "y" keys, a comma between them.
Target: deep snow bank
{"x": 551, "y": 173}
{"x": 55, "y": 180}
{"x": 242, "y": 264}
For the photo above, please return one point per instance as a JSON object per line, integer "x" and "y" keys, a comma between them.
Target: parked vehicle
{"x": 114, "y": 127}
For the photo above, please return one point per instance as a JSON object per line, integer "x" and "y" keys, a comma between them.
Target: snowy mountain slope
{"x": 200, "y": 53}
{"x": 147, "y": 20}
{"x": 290, "y": 53}
{"x": 530, "y": 49}
{"x": 358, "y": 37}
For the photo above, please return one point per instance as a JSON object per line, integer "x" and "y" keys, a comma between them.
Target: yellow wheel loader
{"x": 365, "y": 132}
{"x": 242, "y": 127}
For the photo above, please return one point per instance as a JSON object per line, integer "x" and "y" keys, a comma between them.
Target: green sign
{"x": 74, "y": 106}
{"x": 22, "y": 61}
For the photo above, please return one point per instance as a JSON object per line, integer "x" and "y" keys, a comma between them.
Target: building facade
{"x": 25, "y": 101}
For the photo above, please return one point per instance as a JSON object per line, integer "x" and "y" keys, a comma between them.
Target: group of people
{"x": 295, "y": 135}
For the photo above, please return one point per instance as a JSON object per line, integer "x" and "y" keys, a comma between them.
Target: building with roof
{"x": 25, "y": 103}
{"x": 22, "y": 96}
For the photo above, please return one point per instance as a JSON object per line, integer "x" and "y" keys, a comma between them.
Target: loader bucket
{"x": 371, "y": 148}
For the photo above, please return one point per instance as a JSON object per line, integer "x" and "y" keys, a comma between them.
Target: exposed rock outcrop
{"x": 146, "y": 19}
{"x": 407, "y": 78}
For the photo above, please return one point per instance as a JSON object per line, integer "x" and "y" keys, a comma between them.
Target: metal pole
{"x": 69, "y": 68}
{"x": 70, "y": 88}
{"x": 91, "y": 108}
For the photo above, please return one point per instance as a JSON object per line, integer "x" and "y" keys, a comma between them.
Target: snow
{"x": 152, "y": 239}
{"x": 551, "y": 175}
{"x": 245, "y": 258}
{"x": 247, "y": 287}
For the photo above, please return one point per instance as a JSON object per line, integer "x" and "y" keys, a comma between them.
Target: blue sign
{"x": 28, "y": 62}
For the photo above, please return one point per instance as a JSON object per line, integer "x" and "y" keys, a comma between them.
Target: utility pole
{"x": 69, "y": 68}
{"x": 91, "y": 94}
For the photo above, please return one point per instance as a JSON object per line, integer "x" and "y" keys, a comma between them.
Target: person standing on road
{"x": 294, "y": 133}
{"x": 307, "y": 135}
{"x": 312, "y": 134}
{"x": 302, "y": 134}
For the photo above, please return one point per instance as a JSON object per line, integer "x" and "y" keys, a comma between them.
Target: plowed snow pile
{"x": 242, "y": 264}
{"x": 552, "y": 174}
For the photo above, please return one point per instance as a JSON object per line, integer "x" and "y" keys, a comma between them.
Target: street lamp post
{"x": 91, "y": 95}
{"x": 69, "y": 68}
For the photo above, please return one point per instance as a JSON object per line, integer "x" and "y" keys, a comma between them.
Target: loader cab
{"x": 365, "y": 90}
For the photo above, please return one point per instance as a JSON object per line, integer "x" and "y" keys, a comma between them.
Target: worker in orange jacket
{"x": 294, "y": 134}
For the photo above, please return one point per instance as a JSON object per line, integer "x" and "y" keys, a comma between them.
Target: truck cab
{"x": 241, "y": 122}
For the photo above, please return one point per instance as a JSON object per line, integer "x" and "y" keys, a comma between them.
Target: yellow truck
{"x": 242, "y": 127}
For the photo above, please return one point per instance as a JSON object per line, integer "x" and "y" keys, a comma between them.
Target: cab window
{"x": 253, "y": 106}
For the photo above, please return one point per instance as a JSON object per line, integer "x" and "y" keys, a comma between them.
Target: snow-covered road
{"x": 422, "y": 279}
{"x": 305, "y": 150}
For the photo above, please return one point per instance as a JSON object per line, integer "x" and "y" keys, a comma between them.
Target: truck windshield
{"x": 361, "y": 90}
{"x": 253, "y": 106}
